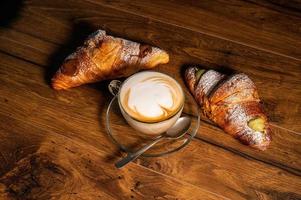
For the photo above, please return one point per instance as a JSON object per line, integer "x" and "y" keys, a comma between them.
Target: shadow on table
{"x": 9, "y": 11}
{"x": 77, "y": 35}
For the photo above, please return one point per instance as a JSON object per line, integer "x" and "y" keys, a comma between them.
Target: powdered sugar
{"x": 130, "y": 51}
{"x": 231, "y": 103}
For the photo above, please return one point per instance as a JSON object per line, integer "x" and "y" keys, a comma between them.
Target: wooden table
{"x": 53, "y": 145}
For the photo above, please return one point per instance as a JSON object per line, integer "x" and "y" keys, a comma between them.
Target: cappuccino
{"x": 151, "y": 97}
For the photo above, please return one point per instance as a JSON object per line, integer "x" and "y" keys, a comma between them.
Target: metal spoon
{"x": 178, "y": 130}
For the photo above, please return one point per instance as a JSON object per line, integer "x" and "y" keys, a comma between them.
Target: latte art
{"x": 151, "y": 98}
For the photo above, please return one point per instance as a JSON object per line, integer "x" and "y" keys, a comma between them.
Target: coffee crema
{"x": 151, "y": 97}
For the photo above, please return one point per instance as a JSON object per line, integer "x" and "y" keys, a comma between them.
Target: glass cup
{"x": 150, "y": 128}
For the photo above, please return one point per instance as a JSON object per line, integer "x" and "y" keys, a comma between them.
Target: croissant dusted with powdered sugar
{"x": 232, "y": 102}
{"x": 105, "y": 57}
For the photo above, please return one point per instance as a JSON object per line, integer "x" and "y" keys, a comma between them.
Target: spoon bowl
{"x": 179, "y": 128}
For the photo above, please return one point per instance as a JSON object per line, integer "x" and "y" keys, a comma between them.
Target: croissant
{"x": 105, "y": 57}
{"x": 232, "y": 102}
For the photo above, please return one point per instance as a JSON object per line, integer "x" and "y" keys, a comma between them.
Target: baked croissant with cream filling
{"x": 232, "y": 102}
{"x": 106, "y": 57}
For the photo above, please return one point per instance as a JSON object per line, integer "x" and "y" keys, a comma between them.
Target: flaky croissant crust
{"x": 232, "y": 102}
{"x": 105, "y": 57}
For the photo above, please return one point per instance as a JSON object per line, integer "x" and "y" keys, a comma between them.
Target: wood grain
{"x": 275, "y": 31}
{"x": 84, "y": 130}
{"x": 284, "y": 151}
{"x": 53, "y": 144}
{"x": 66, "y": 156}
{"x": 49, "y": 47}
{"x": 67, "y": 168}
{"x": 271, "y": 78}
{"x": 292, "y": 7}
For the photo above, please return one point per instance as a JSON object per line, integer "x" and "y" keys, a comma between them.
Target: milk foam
{"x": 151, "y": 96}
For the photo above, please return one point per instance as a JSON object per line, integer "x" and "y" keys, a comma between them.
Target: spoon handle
{"x": 132, "y": 156}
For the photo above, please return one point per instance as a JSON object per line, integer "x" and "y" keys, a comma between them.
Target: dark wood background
{"x": 53, "y": 144}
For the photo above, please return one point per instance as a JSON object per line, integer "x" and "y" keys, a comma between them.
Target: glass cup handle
{"x": 114, "y": 87}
